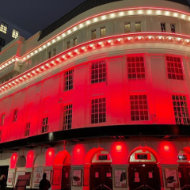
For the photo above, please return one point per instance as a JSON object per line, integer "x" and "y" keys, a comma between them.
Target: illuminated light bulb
{"x": 69, "y": 53}
{"x": 169, "y": 38}
{"x": 31, "y": 54}
{"x": 42, "y": 67}
{"x": 179, "y": 39}
{"x": 68, "y": 32}
{"x": 36, "y": 51}
{"x": 139, "y": 37}
{"x": 38, "y": 70}
{"x": 24, "y": 58}
{"x": 63, "y": 57}
{"x": 149, "y": 37}
{"x": 167, "y": 13}
{"x": 48, "y": 44}
{"x": 121, "y": 13}
{"x": 189, "y": 18}
{"x": 175, "y": 14}
{"x": 17, "y": 59}
{"x": 95, "y": 19}
{"x": 130, "y": 12}
{"x": 20, "y": 78}
{"x": 24, "y": 76}
{"x": 183, "y": 16}
{"x": 109, "y": 41}
{"x": 112, "y": 15}
{"x": 3, "y": 66}
{"x": 149, "y": 12}
{"x": 29, "y": 74}
{"x": 160, "y": 37}
{"x": 44, "y": 46}
{"x": 39, "y": 49}
{"x": 119, "y": 39}
{"x": 88, "y": 22}
{"x": 140, "y": 12}
{"x": 129, "y": 38}
{"x": 91, "y": 45}
{"x": 81, "y": 25}
{"x": 103, "y": 17}
{"x": 6, "y": 64}
{"x": 187, "y": 40}
{"x": 53, "y": 41}
{"x": 75, "y": 28}
{"x": 33, "y": 72}
{"x": 58, "y": 59}
{"x": 28, "y": 56}
{"x": 58, "y": 38}
{"x": 0, "y": 68}
{"x": 83, "y": 48}
{"x": 13, "y": 60}
{"x": 9, "y": 62}
{"x": 166, "y": 147}
{"x": 47, "y": 65}
{"x": 158, "y": 12}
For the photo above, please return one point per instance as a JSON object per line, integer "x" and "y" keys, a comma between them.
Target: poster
{"x": 77, "y": 178}
{"x": 10, "y": 179}
{"x": 171, "y": 177}
{"x": 37, "y": 176}
{"x": 120, "y": 178}
{"x": 18, "y": 173}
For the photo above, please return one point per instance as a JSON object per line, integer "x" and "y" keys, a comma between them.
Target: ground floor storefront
{"x": 102, "y": 163}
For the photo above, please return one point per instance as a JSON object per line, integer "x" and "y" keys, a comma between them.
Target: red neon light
{"x": 78, "y": 154}
{"x": 13, "y": 160}
{"x": 62, "y": 158}
{"x": 50, "y": 156}
{"x": 30, "y": 159}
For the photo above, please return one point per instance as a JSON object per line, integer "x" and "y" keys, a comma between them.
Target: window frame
{"x": 69, "y": 109}
{"x": 45, "y": 125}
{"x": 65, "y": 81}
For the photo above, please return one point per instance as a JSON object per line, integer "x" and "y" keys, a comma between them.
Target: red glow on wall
{"x": 50, "y": 155}
{"x": 13, "y": 160}
{"x": 30, "y": 159}
{"x": 62, "y": 158}
{"x": 167, "y": 153}
{"x": 78, "y": 154}
{"x": 119, "y": 153}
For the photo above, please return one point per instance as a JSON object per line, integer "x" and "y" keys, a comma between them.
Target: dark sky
{"x": 34, "y": 15}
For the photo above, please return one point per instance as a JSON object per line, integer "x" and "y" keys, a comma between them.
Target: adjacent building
{"x": 100, "y": 99}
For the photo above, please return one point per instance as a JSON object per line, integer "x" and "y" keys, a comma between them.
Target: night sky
{"x": 34, "y": 15}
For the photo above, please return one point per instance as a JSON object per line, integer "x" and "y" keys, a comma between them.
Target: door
{"x": 184, "y": 177}
{"x": 144, "y": 177}
{"x": 101, "y": 177}
{"x": 66, "y": 185}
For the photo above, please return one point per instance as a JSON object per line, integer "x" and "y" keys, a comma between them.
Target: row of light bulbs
{"x": 90, "y": 46}
{"x": 101, "y": 17}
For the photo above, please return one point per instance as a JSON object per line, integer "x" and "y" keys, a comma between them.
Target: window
{"x": 27, "y": 130}
{"x": 2, "y": 42}
{"x": 98, "y": 72}
{"x": 163, "y": 27}
{"x": 2, "y": 119}
{"x": 127, "y": 27}
{"x": 172, "y": 26}
{"x": 3, "y": 28}
{"x": 54, "y": 51}
{"x": 49, "y": 54}
{"x": 15, "y": 115}
{"x": 67, "y": 117}
{"x": 68, "y": 80}
{"x": 181, "y": 110}
{"x": 44, "y": 124}
{"x": 68, "y": 44}
{"x": 93, "y": 34}
{"x": 75, "y": 41}
{"x": 15, "y": 33}
{"x": 98, "y": 110}
{"x": 174, "y": 67}
{"x": 139, "y": 107}
{"x": 135, "y": 66}
{"x": 102, "y": 31}
{"x": 137, "y": 26}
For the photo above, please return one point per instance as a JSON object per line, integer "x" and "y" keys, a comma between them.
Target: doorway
{"x": 184, "y": 176}
{"x": 66, "y": 185}
{"x": 101, "y": 177}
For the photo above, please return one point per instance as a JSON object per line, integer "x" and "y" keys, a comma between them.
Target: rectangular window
{"x": 98, "y": 110}
{"x": 75, "y": 41}
{"x": 98, "y": 72}
{"x": 139, "y": 107}
{"x": 102, "y": 31}
{"x": 27, "y": 129}
{"x": 163, "y": 27}
{"x": 54, "y": 51}
{"x": 49, "y": 54}
{"x": 3, "y": 28}
{"x": 136, "y": 67}
{"x": 172, "y": 26}
{"x": 137, "y": 26}
{"x": 174, "y": 68}
{"x": 15, "y": 115}
{"x": 15, "y": 33}
{"x": 68, "y": 44}
{"x": 44, "y": 124}
{"x": 68, "y": 80}
{"x": 181, "y": 110}
{"x": 67, "y": 117}
{"x": 2, "y": 119}
{"x": 2, "y": 42}
{"x": 93, "y": 34}
{"x": 127, "y": 27}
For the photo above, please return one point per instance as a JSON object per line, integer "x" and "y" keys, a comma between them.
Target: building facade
{"x": 9, "y": 32}
{"x": 100, "y": 99}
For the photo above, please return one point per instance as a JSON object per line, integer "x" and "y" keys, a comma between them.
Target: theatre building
{"x": 100, "y": 99}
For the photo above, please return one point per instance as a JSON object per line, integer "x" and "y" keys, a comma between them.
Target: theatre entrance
{"x": 143, "y": 171}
